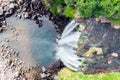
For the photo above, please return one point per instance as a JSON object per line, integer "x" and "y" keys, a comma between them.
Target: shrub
{"x": 86, "y": 8}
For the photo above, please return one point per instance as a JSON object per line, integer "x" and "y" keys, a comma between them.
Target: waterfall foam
{"x": 67, "y": 44}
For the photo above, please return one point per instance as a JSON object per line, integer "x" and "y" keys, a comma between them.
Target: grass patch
{"x": 66, "y": 74}
{"x": 115, "y": 21}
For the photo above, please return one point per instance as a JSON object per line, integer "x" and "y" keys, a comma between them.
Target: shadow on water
{"x": 36, "y": 43}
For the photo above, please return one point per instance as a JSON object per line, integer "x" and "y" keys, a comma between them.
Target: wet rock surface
{"x": 101, "y": 42}
{"x": 101, "y": 35}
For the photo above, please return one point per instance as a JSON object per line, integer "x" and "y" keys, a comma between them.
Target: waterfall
{"x": 66, "y": 47}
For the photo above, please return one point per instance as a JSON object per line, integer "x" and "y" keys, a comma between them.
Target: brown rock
{"x": 9, "y": 62}
{"x": 11, "y": 6}
{"x": 17, "y": 73}
{"x": 34, "y": 17}
{"x": 97, "y": 20}
{"x": 0, "y": 1}
{"x": 26, "y": 15}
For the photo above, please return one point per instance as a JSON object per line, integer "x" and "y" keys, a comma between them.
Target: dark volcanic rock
{"x": 100, "y": 35}
{"x": 31, "y": 9}
{"x": 1, "y": 29}
{"x": 103, "y": 36}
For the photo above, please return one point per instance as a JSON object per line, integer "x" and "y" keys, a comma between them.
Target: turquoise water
{"x": 38, "y": 44}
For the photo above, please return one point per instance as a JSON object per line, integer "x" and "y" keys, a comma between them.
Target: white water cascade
{"x": 67, "y": 45}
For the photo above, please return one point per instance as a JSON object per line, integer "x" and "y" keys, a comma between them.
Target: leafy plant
{"x": 86, "y": 8}
{"x": 55, "y": 5}
{"x": 69, "y": 11}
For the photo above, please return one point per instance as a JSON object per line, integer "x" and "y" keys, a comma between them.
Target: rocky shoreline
{"x": 10, "y": 61}
{"x": 12, "y": 67}
{"x": 9, "y": 58}
{"x": 30, "y": 9}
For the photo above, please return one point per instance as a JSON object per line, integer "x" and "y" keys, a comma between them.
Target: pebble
{"x": 24, "y": 9}
{"x": 0, "y": 1}
{"x": 32, "y": 1}
{"x": 24, "y": 79}
{"x": 20, "y": 62}
{"x": 7, "y": 52}
{"x": 17, "y": 53}
{"x": 16, "y": 5}
{"x": 43, "y": 75}
{"x": 7, "y": 40}
{"x": 114, "y": 54}
{"x": 43, "y": 69}
{"x": 20, "y": 2}
{"x": 97, "y": 20}
{"x": 11, "y": 6}
{"x": 5, "y": 8}
{"x": 109, "y": 61}
{"x": 12, "y": 64}
{"x": 48, "y": 74}
{"x": 11, "y": 11}
{"x": 34, "y": 17}
{"x": 81, "y": 27}
{"x": 9, "y": 62}
{"x": 1, "y": 11}
{"x": 16, "y": 59}
{"x": 7, "y": 14}
{"x": 19, "y": 15}
{"x": 11, "y": 50}
{"x": 4, "y": 23}
{"x": 2, "y": 54}
{"x": 5, "y": 3}
{"x": 17, "y": 74}
{"x": 26, "y": 15}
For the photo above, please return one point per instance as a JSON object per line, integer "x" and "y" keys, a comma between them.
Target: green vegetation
{"x": 109, "y": 9}
{"x": 86, "y": 8}
{"x": 115, "y": 21}
{"x": 66, "y": 74}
